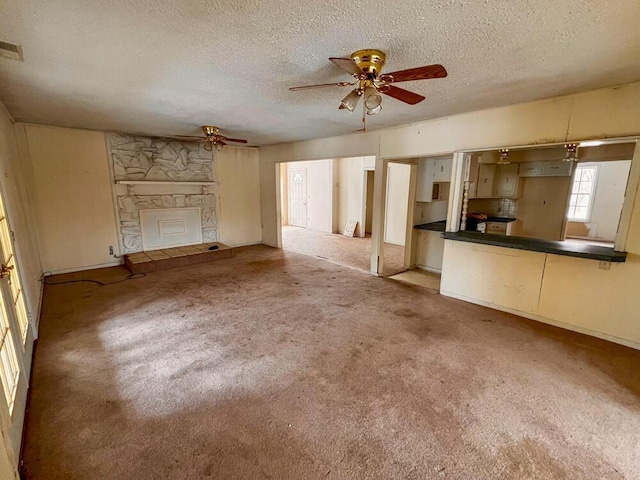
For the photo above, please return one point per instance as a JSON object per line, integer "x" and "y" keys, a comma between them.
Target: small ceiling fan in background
{"x": 212, "y": 137}
{"x": 365, "y": 67}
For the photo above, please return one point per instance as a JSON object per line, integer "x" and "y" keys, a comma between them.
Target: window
{"x": 9, "y": 369}
{"x": 582, "y": 193}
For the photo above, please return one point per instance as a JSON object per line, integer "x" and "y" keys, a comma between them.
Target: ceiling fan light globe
{"x": 372, "y": 101}
{"x": 373, "y": 111}
{"x": 208, "y": 147}
{"x": 350, "y": 102}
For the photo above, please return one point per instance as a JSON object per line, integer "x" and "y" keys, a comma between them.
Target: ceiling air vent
{"x": 11, "y": 50}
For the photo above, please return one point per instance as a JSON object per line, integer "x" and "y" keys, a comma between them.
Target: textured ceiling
{"x": 168, "y": 66}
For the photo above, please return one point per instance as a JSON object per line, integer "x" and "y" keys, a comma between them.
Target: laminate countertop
{"x": 438, "y": 226}
{"x": 594, "y": 252}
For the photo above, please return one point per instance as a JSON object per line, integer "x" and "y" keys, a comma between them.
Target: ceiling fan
{"x": 212, "y": 137}
{"x": 365, "y": 66}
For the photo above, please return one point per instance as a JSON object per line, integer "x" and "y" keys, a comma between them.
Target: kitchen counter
{"x": 500, "y": 219}
{"x": 438, "y": 226}
{"x": 594, "y": 252}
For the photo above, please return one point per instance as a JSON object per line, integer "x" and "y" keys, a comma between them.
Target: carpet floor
{"x": 354, "y": 252}
{"x": 276, "y": 365}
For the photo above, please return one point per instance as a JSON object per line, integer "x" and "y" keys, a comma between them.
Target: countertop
{"x": 500, "y": 219}
{"x": 594, "y": 252}
{"x": 438, "y": 226}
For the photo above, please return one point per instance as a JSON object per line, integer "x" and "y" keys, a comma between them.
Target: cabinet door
{"x": 442, "y": 170}
{"x": 486, "y": 174}
{"x": 507, "y": 180}
{"x": 421, "y": 251}
{"x": 530, "y": 169}
{"x": 557, "y": 169}
{"x": 497, "y": 228}
{"x": 424, "y": 187}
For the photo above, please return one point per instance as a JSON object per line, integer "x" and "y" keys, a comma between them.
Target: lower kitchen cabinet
{"x": 430, "y": 250}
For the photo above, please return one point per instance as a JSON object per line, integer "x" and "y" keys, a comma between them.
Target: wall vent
{"x": 11, "y": 50}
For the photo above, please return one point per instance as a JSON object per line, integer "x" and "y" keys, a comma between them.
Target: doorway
{"x": 326, "y": 209}
{"x": 396, "y": 216}
{"x": 368, "y": 217}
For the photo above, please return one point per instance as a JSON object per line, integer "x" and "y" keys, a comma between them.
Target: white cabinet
{"x": 507, "y": 181}
{"x": 442, "y": 170}
{"x": 424, "y": 188}
{"x": 430, "y": 250}
{"x": 486, "y": 176}
{"x": 531, "y": 169}
{"x": 498, "y": 228}
{"x": 556, "y": 168}
{"x": 560, "y": 168}
{"x": 431, "y": 171}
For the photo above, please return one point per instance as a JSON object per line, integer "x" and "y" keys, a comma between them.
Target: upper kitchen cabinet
{"x": 553, "y": 168}
{"x": 507, "y": 181}
{"x": 491, "y": 180}
{"x": 442, "y": 170}
{"x": 431, "y": 173}
{"x": 486, "y": 176}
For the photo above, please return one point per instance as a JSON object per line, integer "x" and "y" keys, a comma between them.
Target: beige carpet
{"x": 284, "y": 366}
{"x": 354, "y": 252}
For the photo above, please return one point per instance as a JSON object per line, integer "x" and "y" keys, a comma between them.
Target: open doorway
{"x": 321, "y": 199}
{"x": 396, "y": 216}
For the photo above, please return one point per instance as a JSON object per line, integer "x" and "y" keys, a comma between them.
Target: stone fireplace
{"x": 168, "y": 178}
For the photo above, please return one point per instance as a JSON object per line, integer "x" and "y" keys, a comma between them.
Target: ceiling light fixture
{"x": 372, "y": 101}
{"x": 350, "y": 102}
{"x": 504, "y": 154}
{"x": 572, "y": 152}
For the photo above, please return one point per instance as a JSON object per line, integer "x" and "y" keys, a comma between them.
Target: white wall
{"x": 609, "y": 197}
{"x": 351, "y": 193}
{"x": 74, "y": 203}
{"x": 609, "y": 112}
{"x": 14, "y": 183}
{"x": 238, "y": 173}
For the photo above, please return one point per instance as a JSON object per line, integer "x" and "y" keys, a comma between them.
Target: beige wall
{"x": 14, "y": 176}
{"x": 610, "y": 112}
{"x": 238, "y": 173}
{"x": 74, "y": 203}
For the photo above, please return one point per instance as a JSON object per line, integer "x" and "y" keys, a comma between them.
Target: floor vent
{"x": 11, "y": 50}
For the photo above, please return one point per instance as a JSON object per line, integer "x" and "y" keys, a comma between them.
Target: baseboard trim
{"x": 548, "y": 321}
{"x": 115, "y": 263}
{"x": 430, "y": 269}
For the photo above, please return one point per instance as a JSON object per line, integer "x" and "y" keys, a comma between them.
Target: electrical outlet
{"x": 111, "y": 250}
{"x": 604, "y": 266}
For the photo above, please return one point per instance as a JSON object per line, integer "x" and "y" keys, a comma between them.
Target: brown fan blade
{"x": 187, "y": 138}
{"x": 321, "y": 85}
{"x": 418, "y": 73}
{"x": 221, "y": 142}
{"x": 401, "y": 94}
{"x": 235, "y": 140}
{"x": 347, "y": 65}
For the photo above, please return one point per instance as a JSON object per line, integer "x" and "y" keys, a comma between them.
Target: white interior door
{"x": 397, "y": 202}
{"x": 298, "y": 197}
